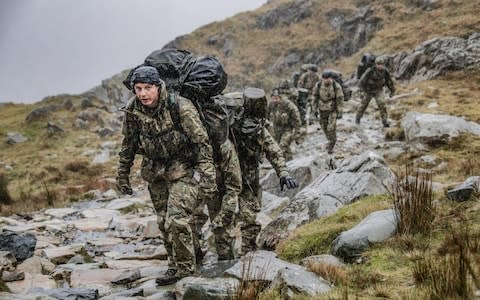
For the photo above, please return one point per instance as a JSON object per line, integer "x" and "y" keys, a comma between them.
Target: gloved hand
{"x": 289, "y": 181}
{"x": 123, "y": 186}
{"x": 339, "y": 115}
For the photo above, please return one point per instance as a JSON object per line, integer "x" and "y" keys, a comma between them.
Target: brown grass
{"x": 251, "y": 284}
{"x": 5, "y": 197}
{"x": 413, "y": 202}
{"x": 335, "y": 274}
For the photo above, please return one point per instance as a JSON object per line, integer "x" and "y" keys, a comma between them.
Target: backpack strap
{"x": 174, "y": 110}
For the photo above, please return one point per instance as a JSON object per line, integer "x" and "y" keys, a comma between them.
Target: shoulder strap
{"x": 174, "y": 110}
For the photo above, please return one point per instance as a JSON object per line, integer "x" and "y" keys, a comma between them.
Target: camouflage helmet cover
{"x": 380, "y": 60}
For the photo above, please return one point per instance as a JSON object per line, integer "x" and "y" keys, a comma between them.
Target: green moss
{"x": 317, "y": 236}
{"x": 4, "y": 287}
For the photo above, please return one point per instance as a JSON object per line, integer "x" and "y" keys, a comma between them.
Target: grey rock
{"x": 53, "y": 129}
{"x": 125, "y": 294}
{"x": 76, "y": 260}
{"x": 376, "y": 227}
{"x": 89, "y": 115}
{"x": 69, "y": 293}
{"x": 86, "y": 103}
{"x": 126, "y": 277}
{"x": 285, "y": 14}
{"x": 15, "y": 138}
{"x": 435, "y": 129}
{"x": 80, "y": 124}
{"x": 34, "y": 296}
{"x": 7, "y": 261}
{"x": 293, "y": 282}
{"x": 272, "y": 203}
{"x": 22, "y": 246}
{"x": 41, "y": 113}
{"x": 197, "y": 288}
{"x": 104, "y": 132}
{"x": 13, "y": 276}
{"x": 464, "y": 191}
{"x": 324, "y": 196}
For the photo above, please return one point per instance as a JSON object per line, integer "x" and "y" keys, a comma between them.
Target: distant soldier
{"x": 253, "y": 141}
{"x": 286, "y": 121}
{"x": 307, "y": 81}
{"x": 371, "y": 85}
{"x": 368, "y": 61}
{"x": 328, "y": 98}
{"x": 297, "y": 74}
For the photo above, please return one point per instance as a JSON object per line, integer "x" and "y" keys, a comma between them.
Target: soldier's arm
{"x": 363, "y": 79}
{"x": 196, "y": 132}
{"x": 129, "y": 148}
{"x": 301, "y": 81}
{"x": 389, "y": 82}
{"x": 295, "y": 114}
{"x": 339, "y": 98}
{"x": 274, "y": 154}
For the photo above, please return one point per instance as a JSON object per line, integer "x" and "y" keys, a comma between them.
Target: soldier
{"x": 224, "y": 205}
{"x": 286, "y": 121}
{"x": 252, "y": 141}
{"x": 328, "y": 98}
{"x": 371, "y": 85}
{"x": 177, "y": 164}
{"x": 307, "y": 81}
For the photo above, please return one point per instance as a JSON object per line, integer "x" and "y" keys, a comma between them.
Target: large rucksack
{"x": 337, "y": 76}
{"x": 196, "y": 78}
{"x": 368, "y": 60}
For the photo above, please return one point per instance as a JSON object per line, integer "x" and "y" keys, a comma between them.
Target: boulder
{"x": 41, "y": 113}
{"x": 293, "y": 282}
{"x": 70, "y": 293}
{"x": 435, "y": 129}
{"x": 7, "y": 261}
{"x": 15, "y": 138}
{"x": 376, "y": 227}
{"x": 21, "y": 246}
{"x": 205, "y": 288}
{"x": 285, "y": 14}
{"x": 464, "y": 191}
{"x": 324, "y": 196}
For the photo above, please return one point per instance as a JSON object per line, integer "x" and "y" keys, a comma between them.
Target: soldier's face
{"x": 380, "y": 66}
{"x": 147, "y": 93}
{"x": 328, "y": 81}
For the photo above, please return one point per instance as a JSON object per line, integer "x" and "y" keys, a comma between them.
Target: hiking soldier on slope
{"x": 286, "y": 121}
{"x": 177, "y": 164}
{"x": 307, "y": 81}
{"x": 328, "y": 98}
{"x": 371, "y": 86}
{"x": 252, "y": 141}
{"x": 224, "y": 205}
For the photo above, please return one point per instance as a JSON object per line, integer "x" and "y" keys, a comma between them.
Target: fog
{"x": 50, "y": 47}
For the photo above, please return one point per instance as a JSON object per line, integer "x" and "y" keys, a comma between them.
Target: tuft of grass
{"x": 251, "y": 284}
{"x": 413, "y": 201}
{"x": 316, "y": 237}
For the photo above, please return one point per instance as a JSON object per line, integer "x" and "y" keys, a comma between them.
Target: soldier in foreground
{"x": 371, "y": 86}
{"x": 286, "y": 121}
{"x": 177, "y": 164}
{"x": 328, "y": 98}
{"x": 253, "y": 141}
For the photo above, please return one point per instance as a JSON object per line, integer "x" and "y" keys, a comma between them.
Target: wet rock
{"x": 125, "y": 294}
{"x": 41, "y": 113}
{"x": 99, "y": 213}
{"x": 31, "y": 296}
{"x": 435, "y": 129}
{"x": 76, "y": 260}
{"x": 464, "y": 191}
{"x": 293, "y": 282}
{"x": 15, "y": 138}
{"x": 31, "y": 281}
{"x": 61, "y": 255}
{"x": 7, "y": 261}
{"x": 85, "y": 278}
{"x": 324, "y": 196}
{"x": 285, "y": 14}
{"x": 71, "y": 293}
{"x": 13, "y": 276}
{"x": 21, "y": 246}
{"x": 60, "y": 213}
{"x": 63, "y": 272}
{"x": 376, "y": 227}
{"x": 205, "y": 289}
{"x": 126, "y": 277}
{"x": 91, "y": 224}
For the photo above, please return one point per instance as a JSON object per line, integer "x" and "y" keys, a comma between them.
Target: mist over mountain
{"x": 52, "y": 47}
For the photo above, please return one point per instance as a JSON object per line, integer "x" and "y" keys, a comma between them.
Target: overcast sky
{"x": 49, "y": 47}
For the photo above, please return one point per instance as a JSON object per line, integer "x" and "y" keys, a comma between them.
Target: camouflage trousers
{"x": 365, "y": 100}
{"x": 328, "y": 122}
{"x": 302, "y": 101}
{"x": 174, "y": 203}
{"x": 285, "y": 137}
{"x": 249, "y": 201}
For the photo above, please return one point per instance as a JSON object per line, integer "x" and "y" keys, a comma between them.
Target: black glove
{"x": 123, "y": 186}
{"x": 289, "y": 181}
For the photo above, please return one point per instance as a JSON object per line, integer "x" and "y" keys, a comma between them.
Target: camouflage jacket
{"x": 170, "y": 151}
{"x": 308, "y": 80}
{"x": 252, "y": 141}
{"x": 373, "y": 80}
{"x": 284, "y": 113}
{"x": 328, "y": 98}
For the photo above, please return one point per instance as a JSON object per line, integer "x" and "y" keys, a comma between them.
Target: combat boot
{"x": 169, "y": 277}
{"x": 386, "y": 124}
